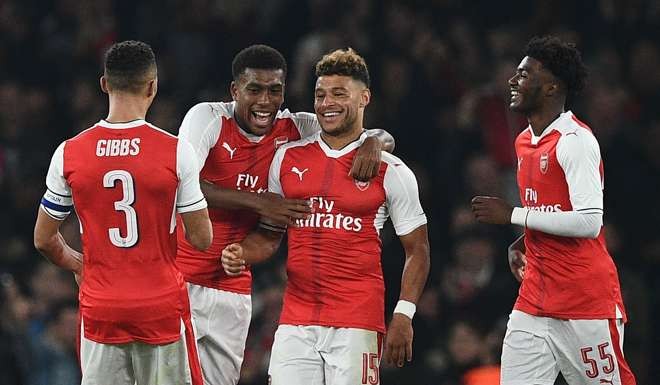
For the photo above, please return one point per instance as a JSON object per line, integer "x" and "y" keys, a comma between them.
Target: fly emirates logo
{"x": 322, "y": 217}
{"x": 531, "y": 200}
{"x": 249, "y": 182}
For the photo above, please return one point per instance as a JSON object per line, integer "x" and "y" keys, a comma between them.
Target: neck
{"x": 337, "y": 142}
{"x": 126, "y": 107}
{"x": 541, "y": 119}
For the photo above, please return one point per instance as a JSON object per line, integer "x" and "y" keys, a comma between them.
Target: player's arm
{"x": 517, "y": 258}
{"x": 51, "y": 244}
{"x": 257, "y": 247}
{"x": 201, "y": 127}
{"x": 579, "y": 156}
{"x": 276, "y": 208}
{"x": 366, "y": 162}
{"x": 261, "y": 243}
{"x": 402, "y": 200}
{"x": 198, "y": 228}
{"x": 415, "y": 272}
{"x": 55, "y": 207}
{"x": 190, "y": 201}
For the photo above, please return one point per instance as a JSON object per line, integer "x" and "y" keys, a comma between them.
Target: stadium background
{"x": 439, "y": 71}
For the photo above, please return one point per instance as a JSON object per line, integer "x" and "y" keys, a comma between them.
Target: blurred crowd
{"x": 439, "y": 84}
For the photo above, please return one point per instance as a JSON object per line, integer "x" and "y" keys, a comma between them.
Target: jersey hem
{"x": 215, "y": 285}
{"x": 126, "y": 340}
{"x": 569, "y": 316}
{"x": 334, "y": 325}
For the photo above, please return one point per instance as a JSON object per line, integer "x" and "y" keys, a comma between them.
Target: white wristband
{"x": 406, "y": 308}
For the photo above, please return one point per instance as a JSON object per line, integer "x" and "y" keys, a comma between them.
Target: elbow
{"x": 42, "y": 244}
{"x": 593, "y": 233}
{"x": 595, "y": 225}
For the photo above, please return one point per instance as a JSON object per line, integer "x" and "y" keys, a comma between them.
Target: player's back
{"x": 124, "y": 180}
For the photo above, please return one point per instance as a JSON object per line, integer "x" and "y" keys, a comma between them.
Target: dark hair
{"x": 129, "y": 65}
{"x": 344, "y": 62}
{"x": 257, "y": 56}
{"x": 563, "y": 60}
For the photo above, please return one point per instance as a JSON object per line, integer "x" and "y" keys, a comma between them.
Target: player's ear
{"x": 552, "y": 89}
{"x": 233, "y": 90}
{"x": 152, "y": 87}
{"x": 365, "y": 97}
{"x": 104, "y": 84}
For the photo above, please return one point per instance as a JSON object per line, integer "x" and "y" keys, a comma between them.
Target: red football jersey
{"x": 233, "y": 159}
{"x": 565, "y": 277}
{"x": 334, "y": 272}
{"x": 126, "y": 182}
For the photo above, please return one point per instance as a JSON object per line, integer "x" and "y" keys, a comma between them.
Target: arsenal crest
{"x": 543, "y": 164}
{"x": 280, "y": 140}
{"x": 361, "y": 185}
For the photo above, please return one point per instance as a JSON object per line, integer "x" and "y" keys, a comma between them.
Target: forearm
{"x": 260, "y": 245}
{"x": 384, "y": 137}
{"x": 518, "y": 244}
{"x": 563, "y": 223}
{"x": 415, "y": 273}
{"x": 57, "y": 251}
{"x": 229, "y": 199}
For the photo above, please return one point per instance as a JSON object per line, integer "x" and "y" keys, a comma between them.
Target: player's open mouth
{"x": 261, "y": 117}
{"x": 514, "y": 95}
{"x": 330, "y": 116}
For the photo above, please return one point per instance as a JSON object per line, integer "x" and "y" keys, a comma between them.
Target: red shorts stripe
{"x": 626, "y": 375}
{"x": 193, "y": 356}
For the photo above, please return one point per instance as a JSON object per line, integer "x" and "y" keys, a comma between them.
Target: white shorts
{"x": 586, "y": 352}
{"x": 222, "y": 320}
{"x": 320, "y": 355}
{"x": 137, "y": 363}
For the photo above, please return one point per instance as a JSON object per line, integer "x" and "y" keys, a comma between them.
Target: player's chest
{"x": 326, "y": 182}
{"x": 538, "y": 165}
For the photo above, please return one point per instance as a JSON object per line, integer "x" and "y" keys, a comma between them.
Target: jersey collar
{"x": 553, "y": 126}
{"x": 331, "y": 153}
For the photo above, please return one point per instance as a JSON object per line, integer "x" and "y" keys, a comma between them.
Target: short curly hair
{"x": 345, "y": 62}
{"x": 257, "y": 56}
{"x": 563, "y": 60}
{"x": 129, "y": 65}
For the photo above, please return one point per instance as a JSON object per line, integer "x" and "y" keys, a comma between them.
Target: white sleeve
{"x": 189, "y": 195}
{"x": 201, "y": 128}
{"x": 57, "y": 200}
{"x": 306, "y": 123}
{"x": 575, "y": 224}
{"x": 579, "y": 156}
{"x": 274, "y": 184}
{"x": 402, "y": 199}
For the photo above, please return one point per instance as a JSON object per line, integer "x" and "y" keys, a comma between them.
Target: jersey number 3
{"x": 124, "y": 205}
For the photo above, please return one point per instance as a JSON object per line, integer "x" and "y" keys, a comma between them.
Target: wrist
{"x": 406, "y": 308}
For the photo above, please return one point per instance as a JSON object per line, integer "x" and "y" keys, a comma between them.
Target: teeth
{"x": 262, "y": 114}
{"x": 513, "y": 93}
{"x": 330, "y": 114}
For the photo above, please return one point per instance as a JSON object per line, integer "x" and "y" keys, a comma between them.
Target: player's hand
{"x": 366, "y": 161}
{"x": 282, "y": 211}
{"x": 232, "y": 260}
{"x": 491, "y": 210}
{"x": 398, "y": 342}
{"x": 517, "y": 263}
